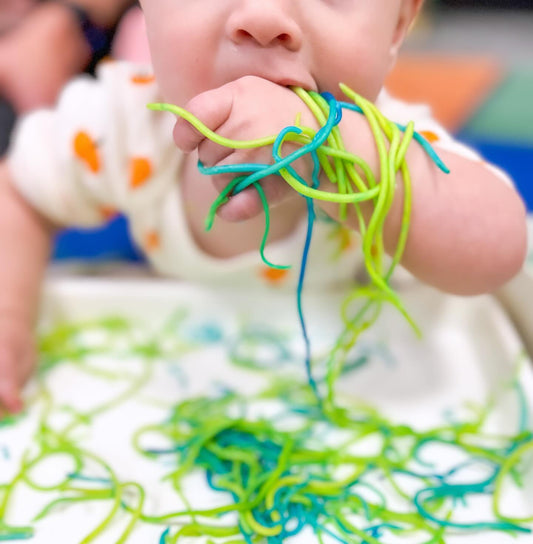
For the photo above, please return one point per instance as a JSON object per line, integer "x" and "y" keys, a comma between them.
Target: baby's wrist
{"x": 358, "y": 140}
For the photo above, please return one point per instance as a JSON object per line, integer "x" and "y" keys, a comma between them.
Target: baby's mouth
{"x": 293, "y": 82}
{"x": 281, "y": 73}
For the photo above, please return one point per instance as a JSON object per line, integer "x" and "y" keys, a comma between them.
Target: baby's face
{"x": 198, "y": 45}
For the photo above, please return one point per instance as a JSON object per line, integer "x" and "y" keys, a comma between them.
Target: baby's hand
{"x": 17, "y": 361}
{"x": 245, "y": 109}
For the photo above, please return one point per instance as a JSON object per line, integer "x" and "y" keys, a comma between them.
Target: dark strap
{"x": 98, "y": 38}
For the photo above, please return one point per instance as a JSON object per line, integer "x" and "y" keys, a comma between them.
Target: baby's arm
{"x": 468, "y": 229}
{"x": 76, "y": 164}
{"x": 25, "y": 239}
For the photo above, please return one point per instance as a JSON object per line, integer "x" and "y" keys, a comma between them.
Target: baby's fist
{"x": 245, "y": 109}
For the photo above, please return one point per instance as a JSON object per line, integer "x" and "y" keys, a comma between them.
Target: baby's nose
{"x": 266, "y": 22}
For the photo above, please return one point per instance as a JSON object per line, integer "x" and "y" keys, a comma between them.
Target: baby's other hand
{"x": 245, "y": 109}
{"x": 17, "y": 361}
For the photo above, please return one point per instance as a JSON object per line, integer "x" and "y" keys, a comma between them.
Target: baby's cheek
{"x": 170, "y": 71}
{"x": 178, "y": 83}
{"x": 362, "y": 70}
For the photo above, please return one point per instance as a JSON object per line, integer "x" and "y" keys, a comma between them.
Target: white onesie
{"x": 101, "y": 151}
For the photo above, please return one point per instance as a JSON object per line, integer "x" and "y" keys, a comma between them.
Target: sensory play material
{"x": 200, "y": 427}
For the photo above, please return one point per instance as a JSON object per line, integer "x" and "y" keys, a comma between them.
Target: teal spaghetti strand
{"x": 428, "y": 148}
{"x": 305, "y": 254}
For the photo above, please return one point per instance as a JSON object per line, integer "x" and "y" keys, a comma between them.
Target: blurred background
{"x": 471, "y": 60}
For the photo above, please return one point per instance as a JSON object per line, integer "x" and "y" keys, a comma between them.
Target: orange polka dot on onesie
{"x": 430, "y": 136}
{"x": 142, "y": 79}
{"x": 140, "y": 171}
{"x": 86, "y": 150}
{"x": 152, "y": 241}
{"x": 108, "y": 213}
{"x": 275, "y": 276}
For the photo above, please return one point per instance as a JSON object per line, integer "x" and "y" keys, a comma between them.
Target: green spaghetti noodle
{"x": 281, "y": 472}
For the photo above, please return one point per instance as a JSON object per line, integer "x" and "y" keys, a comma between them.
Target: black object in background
{"x": 7, "y": 121}
{"x": 487, "y": 4}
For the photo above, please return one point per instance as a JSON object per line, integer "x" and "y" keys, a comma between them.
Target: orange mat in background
{"x": 454, "y": 86}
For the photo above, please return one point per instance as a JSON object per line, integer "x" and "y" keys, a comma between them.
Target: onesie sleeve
{"x": 98, "y": 152}
{"x": 426, "y": 125}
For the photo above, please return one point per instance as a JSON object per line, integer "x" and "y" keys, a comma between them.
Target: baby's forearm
{"x": 468, "y": 230}
{"x": 25, "y": 240}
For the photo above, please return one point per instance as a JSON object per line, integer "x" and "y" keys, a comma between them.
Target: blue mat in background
{"x": 516, "y": 160}
{"x": 109, "y": 243}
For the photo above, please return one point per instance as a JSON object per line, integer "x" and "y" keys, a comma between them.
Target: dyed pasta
{"x": 282, "y": 472}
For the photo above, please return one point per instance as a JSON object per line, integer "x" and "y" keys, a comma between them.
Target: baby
{"x": 230, "y": 62}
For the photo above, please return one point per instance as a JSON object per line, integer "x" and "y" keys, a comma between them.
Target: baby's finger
{"x": 10, "y": 396}
{"x": 212, "y": 108}
{"x": 211, "y": 154}
{"x": 248, "y": 203}
{"x": 9, "y": 384}
{"x": 241, "y": 207}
